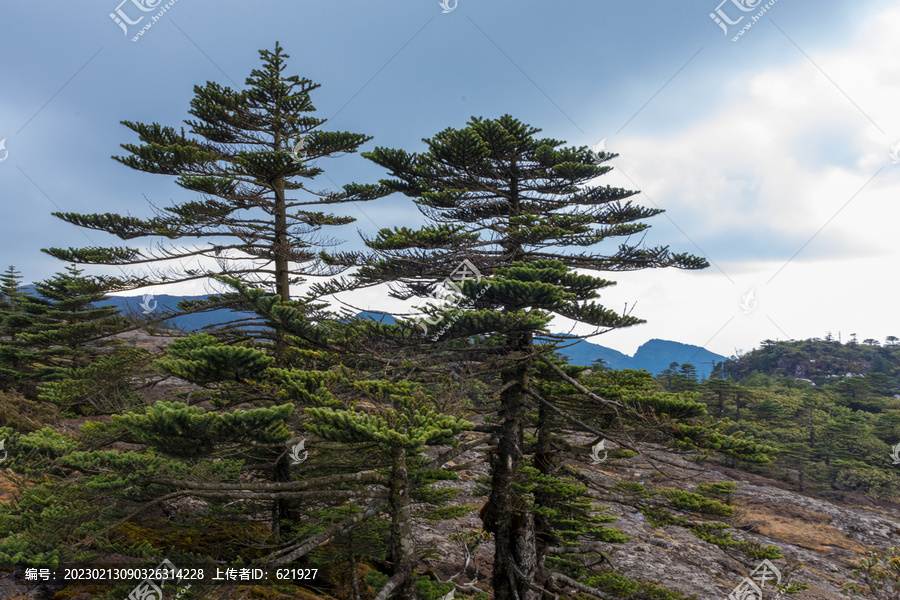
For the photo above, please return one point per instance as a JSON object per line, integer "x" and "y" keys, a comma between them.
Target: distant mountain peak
{"x": 654, "y": 355}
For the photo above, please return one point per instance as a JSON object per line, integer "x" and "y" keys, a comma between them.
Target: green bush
{"x": 875, "y": 483}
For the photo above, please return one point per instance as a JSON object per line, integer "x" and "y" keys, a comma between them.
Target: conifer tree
{"x": 233, "y": 446}
{"x": 717, "y": 393}
{"x": 56, "y": 327}
{"x": 71, "y": 316}
{"x": 400, "y": 427}
{"x": 10, "y": 288}
{"x": 83, "y": 491}
{"x": 400, "y": 418}
{"x": 13, "y": 321}
{"x": 108, "y": 384}
{"x": 230, "y": 375}
{"x": 246, "y": 152}
{"x": 522, "y": 211}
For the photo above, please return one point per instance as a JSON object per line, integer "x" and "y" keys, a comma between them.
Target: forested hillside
{"x": 304, "y": 451}
{"x": 653, "y": 356}
{"x": 831, "y": 410}
{"x": 822, "y": 361}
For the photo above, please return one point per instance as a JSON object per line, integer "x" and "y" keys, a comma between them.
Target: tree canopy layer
{"x": 252, "y": 157}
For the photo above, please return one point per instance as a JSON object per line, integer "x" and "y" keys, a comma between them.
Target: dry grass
{"x": 7, "y": 488}
{"x": 795, "y": 525}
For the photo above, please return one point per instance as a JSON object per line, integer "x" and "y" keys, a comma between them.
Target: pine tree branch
{"x": 585, "y": 427}
{"x": 581, "y": 424}
{"x": 361, "y": 477}
{"x": 295, "y": 495}
{"x": 575, "y": 550}
{"x": 508, "y": 385}
{"x": 593, "y": 396}
{"x": 467, "y": 588}
{"x": 391, "y": 586}
{"x": 609, "y": 495}
{"x": 370, "y": 511}
{"x": 90, "y": 540}
{"x": 446, "y": 457}
{"x": 467, "y": 465}
{"x": 329, "y": 534}
{"x": 559, "y": 577}
{"x": 577, "y": 385}
{"x": 165, "y": 317}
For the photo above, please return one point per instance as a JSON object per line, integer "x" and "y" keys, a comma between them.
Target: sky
{"x": 775, "y": 154}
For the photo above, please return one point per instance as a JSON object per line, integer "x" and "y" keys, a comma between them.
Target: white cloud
{"x": 759, "y": 164}
{"x": 769, "y": 172}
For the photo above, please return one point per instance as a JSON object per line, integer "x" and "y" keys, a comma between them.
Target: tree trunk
{"x": 281, "y": 510}
{"x": 545, "y": 462}
{"x": 507, "y": 515}
{"x": 400, "y": 546}
{"x": 280, "y": 247}
{"x": 281, "y": 507}
{"x": 354, "y": 573}
{"x": 373, "y": 509}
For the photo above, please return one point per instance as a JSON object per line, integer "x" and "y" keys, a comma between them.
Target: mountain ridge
{"x": 654, "y": 355}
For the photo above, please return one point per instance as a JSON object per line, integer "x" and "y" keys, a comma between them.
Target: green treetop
{"x": 524, "y": 212}
{"x": 246, "y": 152}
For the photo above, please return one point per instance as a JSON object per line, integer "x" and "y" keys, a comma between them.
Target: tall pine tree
{"x": 522, "y": 211}
{"x": 401, "y": 426}
{"x": 13, "y": 321}
{"x": 56, "y": 327}
{"x": 246, "y": 152}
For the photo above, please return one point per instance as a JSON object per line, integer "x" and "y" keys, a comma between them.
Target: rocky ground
{"x": 823, "y": 538}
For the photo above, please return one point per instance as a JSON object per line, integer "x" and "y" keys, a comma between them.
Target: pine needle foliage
{"x": 59, "y": 326}
{"x": 253, "y": 156}
{"x": 518, "y": 213}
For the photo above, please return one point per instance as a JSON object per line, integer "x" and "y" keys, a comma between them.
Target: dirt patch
{"x": 795, "y": 525}
{"x": 139, "y": 338}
